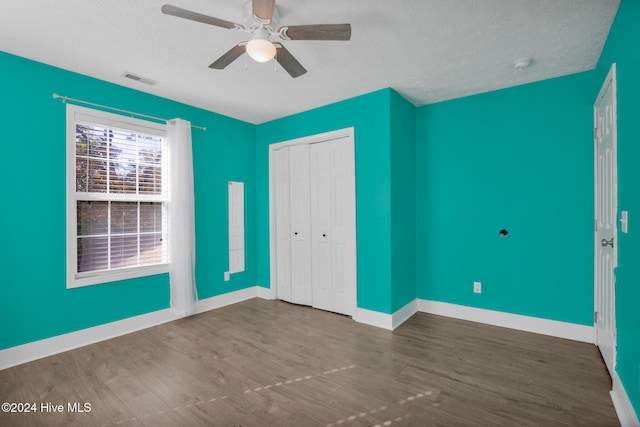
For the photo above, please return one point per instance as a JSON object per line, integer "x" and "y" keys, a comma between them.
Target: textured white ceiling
{"x": 427, "y": 50}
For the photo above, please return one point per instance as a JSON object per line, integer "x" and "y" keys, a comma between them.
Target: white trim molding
{"x": 229, "y": 298}
{"x": 373, "y": 318}
{"x": 537, "y": 325}
{"x": 386, "y": 321}
{"x": 626, "y": 414}
{"x": 20, "y": 354}
{"x": 404, "y": 314}
{"x": 48, "y": 347}
{"x": 265, "y": 293}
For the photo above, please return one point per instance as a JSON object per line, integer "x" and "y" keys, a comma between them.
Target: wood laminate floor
{"x": 269, "y": 363}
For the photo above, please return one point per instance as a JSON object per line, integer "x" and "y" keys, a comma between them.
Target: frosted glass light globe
{"x": 261, "y": 50}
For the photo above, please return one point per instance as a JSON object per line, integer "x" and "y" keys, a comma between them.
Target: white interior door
{"x": 606, "y": 204}
{"x": 333, "y": 237}
{"x": 300, "y": 225}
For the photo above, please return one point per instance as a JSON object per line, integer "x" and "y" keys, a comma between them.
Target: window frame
{"x": 77, "y": 113}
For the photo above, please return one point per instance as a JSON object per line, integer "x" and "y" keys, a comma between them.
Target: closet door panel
{"x": 321, "y": 233}
{"x": 341, "y": 171}
{"x": 283, "y": 241}
{"x": 301, "y": 292}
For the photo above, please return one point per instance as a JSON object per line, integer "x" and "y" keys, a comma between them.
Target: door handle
{"x": 606, "y": 242}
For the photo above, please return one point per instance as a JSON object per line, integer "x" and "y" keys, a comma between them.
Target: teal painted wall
{"x": 370, "y": 116}
{"x": 519, "y": 159}
{"x": 403, "y": 202}
{"x": 35, "y": 303}
{"x": 622, "y": 48}
{"x": 228, "y": 154}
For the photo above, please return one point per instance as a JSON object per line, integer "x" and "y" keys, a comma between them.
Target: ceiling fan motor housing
{"x": 252, "y": 22}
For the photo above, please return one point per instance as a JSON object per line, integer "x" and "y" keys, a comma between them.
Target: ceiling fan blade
{"x": 231, "y": 55}
{"x": 316, "y": 32}
{"x": 168, "y": 9}
{"x": 288, "y": 62}
{"x": 263, "y": 9}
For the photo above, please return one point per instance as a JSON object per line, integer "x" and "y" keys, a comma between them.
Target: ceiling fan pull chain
{"x": 275, "y": 67}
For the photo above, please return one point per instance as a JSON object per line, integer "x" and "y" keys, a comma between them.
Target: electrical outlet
{"x": 227, "y": 276}
{"x": 477, "y": 287}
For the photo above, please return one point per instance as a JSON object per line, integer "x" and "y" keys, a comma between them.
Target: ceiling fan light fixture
{"x": 260, "y": 18}
{"x": 261, "y": 50}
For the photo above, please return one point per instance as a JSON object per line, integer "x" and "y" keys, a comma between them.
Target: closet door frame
{"x": 313, "y": 139}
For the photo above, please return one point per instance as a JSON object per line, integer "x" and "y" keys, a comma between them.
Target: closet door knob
{"x": 324, "y": 235}
{"x": 606, "y": 242}
{"x": 296, "y": 233}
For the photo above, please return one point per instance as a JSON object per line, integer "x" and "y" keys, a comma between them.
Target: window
{"x": 117, "y": 173}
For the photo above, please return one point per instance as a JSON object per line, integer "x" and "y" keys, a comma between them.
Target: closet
{"x": 313, "y": 221}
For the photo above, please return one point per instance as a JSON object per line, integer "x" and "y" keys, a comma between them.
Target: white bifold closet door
{"x": 299, "y": 225}
{"x": 333, "y": 237}
{"x": 293, "y": 252}
{"x": 315, "y": 225}
{"x": 282, "y": 224}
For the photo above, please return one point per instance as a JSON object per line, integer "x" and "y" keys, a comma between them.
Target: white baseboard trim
{"x": 265, "y": 293}
{"x": 383, "y": 320}
{"x": 373, "y": 318}
{"x": 404, "y": 314}
{"x": 537, "y": 325}
{"x": 626, "y": 414}
{"x": 47, "y": 347}
{"x": 229, "y": 298}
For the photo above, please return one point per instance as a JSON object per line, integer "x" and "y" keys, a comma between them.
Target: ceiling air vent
{"x": 140, "y": 79}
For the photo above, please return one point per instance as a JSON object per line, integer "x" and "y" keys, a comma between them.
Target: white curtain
{"x": 182, "y": 218}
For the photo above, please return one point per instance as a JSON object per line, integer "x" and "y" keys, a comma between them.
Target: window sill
{"x": 98, "y": 277}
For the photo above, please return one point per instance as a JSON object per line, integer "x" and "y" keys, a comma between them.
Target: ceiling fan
{"x": 261, "y": 20}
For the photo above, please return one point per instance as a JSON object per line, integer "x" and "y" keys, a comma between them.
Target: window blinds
{"x": 120, "y": 193}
